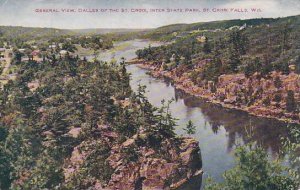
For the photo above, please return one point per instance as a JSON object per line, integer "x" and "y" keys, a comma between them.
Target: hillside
{"x": 95, "y": 31}
{"x": 72, "y": 124}
{"x": 164, "y": 32}
{"x": 253, "y": 65}
{"x": 36, "y": 33}
{"x": 31, "y": 32}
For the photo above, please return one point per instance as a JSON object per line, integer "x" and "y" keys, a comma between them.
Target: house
{"x": 52, "y": 46}
{"x": 35, "y": 55}
{"x": 243, "y": 27}
{"x": 63, "y": 52}
{"x": 25, "y": 58}
{"x": 201, "y": 39}
{"x": 21, "y": 50}
{"x": 60, "y": 45}
{"x": 35, "y": 52}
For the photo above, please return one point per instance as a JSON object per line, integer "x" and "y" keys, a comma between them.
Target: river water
{"x": 218, "y": 130}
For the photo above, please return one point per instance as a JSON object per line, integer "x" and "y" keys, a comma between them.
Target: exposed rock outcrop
{"x": 136, "y": 165}
{"x": 256, "y": 95}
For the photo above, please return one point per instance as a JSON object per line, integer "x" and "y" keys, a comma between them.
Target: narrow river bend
{"x": 218, "y": 131}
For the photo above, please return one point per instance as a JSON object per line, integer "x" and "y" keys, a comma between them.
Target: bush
{"x": 254, "y": 171}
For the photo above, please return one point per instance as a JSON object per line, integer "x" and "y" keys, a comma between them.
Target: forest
{"x": 261, "y": 61}
{"x": 69, "y": 122}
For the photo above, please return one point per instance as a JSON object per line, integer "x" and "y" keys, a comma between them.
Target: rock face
{"x": 257, "y": 95}
{"x": 176, "y": 167}
{"x": 137, "y": 166}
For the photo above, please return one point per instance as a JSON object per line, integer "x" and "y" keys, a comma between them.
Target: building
{"x": 52, "y": 46}
{"x": 201, "y": 39}
{"x": 243, "y": 27}
{"x": 21, "y": 50}
{"x": 60, "y": 45}
{"x": 35, "y": 55}
{"x": 63, "y": 52}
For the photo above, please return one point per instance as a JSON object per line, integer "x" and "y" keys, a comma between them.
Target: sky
{"x": 27, "y": 12}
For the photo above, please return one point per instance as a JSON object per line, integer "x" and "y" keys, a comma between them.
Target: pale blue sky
{"x": 22, "y": 12}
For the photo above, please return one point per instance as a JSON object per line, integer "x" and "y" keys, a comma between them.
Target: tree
{"x": 277, "y": 82}
{"x": 285, "y": 33}
{"x": 213, "y": 69}
{"x": 206, "y": 46}
{"x": 252, "y": 67}
{"x": 165, "y": 121}
{"x": 277, "y": 99}
{"x": 238, "y": 46}
{"x": 68, "y": 46}
{"x": 291, "y": 143}
{"x": 234, "y": 61}
{"x": 290, "y": 101}
{"x": 190, "y": 128}
{"x": 254, "y": 171}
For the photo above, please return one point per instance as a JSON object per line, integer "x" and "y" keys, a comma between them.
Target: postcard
{"x": 149, "y": 95}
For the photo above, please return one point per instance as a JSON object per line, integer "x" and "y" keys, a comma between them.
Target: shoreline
{"x": 158, "y": 74}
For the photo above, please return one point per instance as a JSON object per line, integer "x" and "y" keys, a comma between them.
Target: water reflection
{"x": 238, "y": 125}
{"x": 218, "y": 130}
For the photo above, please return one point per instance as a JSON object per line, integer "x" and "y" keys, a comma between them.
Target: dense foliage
{"x": 70, "y": 93}
{"x": 255, "y": 170}
{"x": 246, "y": 47}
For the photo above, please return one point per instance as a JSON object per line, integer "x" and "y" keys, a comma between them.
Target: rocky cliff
{"x": 134, "y": 165}
{"x": 260, "y": 96}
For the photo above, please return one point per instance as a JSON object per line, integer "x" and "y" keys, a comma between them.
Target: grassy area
{"x": 83, "y": 51}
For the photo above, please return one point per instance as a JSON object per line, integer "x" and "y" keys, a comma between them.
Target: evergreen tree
{"x": 277, "y": 82}
{"x": 206, "y": 46}
{"x": 190, "y": 128}
{"x": 290, "y": 101}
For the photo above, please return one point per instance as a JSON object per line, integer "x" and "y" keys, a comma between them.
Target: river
{"x": 218, "y": 130}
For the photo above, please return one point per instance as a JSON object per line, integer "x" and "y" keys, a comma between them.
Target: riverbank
{"x": 185, "y": 84}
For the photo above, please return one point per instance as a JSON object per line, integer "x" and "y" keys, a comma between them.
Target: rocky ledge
{"x": 135, "y": 165}
{"x": 234, "y": 91}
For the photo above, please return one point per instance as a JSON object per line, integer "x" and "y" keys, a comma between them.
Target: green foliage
{"x": 238, "y": 44}
{"x": 68, "y": 46}
{"x": 291, "y": 147}
{"x": 262, "y": 46}
{"x": 291, "y": 105}
{"x": 206, "y": 46}
{"x": 252, "y": 66}
{"x": 190, "y": 128}
{"x": 165, "y": 121}
{"x": 277, "y": 98}
{"x": 277, "y": 82}
{"x": 71, "y": 93}
{"x": 254, "y": 171}
{"x": 212, "y": 70}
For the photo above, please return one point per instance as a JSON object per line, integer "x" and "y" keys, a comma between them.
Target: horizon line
{"x": 150, "y": 28}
